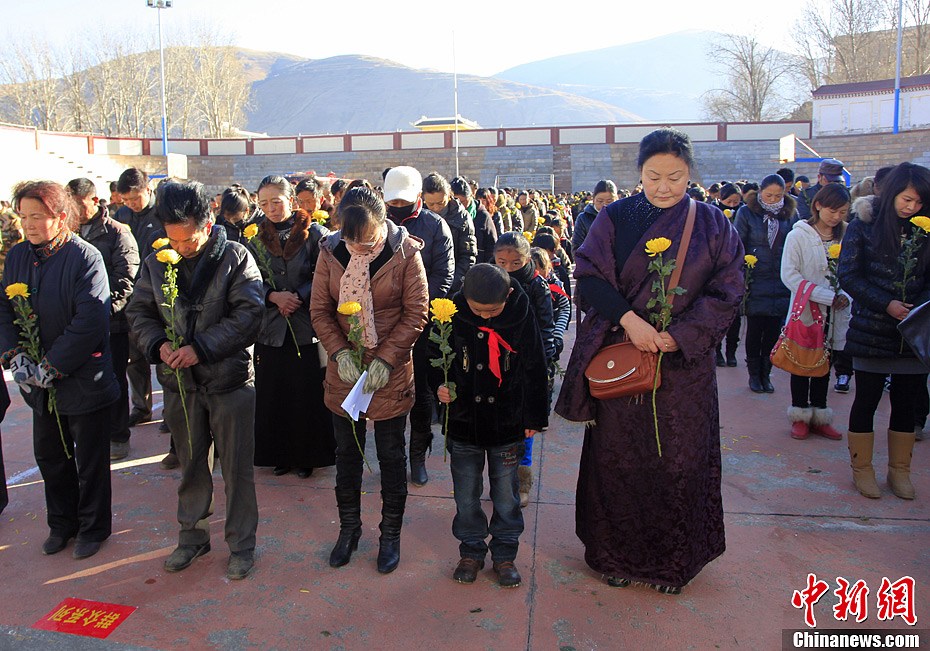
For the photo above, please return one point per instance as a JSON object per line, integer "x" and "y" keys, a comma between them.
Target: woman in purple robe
{"x": 642, "y": 517}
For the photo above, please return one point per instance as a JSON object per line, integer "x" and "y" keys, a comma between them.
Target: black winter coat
{"x": 487, "y": 413}
{"x": 537, "y": 289}
{"x": 464, "y": 246}
{"x": 870, "y": 278}
{"x": 485, "y": 234}
{"x": 293, "y": 266}
{"x": 234, "y": 229}
{"x": 220, "y": 316}
{"x": 145, "y": 226}
{"x": 71, "y": 299}
{"x": 120, "y": 255}
{"x": 437, "y": 253}
{"x": 768, "y": 295}
{"x": 583, "y": 225}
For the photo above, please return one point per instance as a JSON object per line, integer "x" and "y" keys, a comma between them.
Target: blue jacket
{"x": 71, "y": 299}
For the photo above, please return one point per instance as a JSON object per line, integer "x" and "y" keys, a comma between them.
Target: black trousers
{"x": 392, "y": 456}
{"x": 921, "y": 405}
{"x": 4, "y": 497}
{"x": 119, "y": 422}
{"x": 77, "y": 490}
{"x": 421, "y": 414}
{"x": 732, "y": 336}
{"x": 842, "y": 363}
{"x": 904, "y": 395}
{"x": 761, "y": 334}
{"x": 809, "y": 391}
{"x": 140, "y": 380}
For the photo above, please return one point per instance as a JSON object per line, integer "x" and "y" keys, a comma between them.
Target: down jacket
{"x": 220, "y": 316}
{"x": 292, "y": 266}
{"x": 767, "y": 295}
{"x": 71, "y": 299}
{"x": 400, "y": 296}
{"x": 464, "y": 244}
{"x": 804, "y": 258}
{"x": 437, "y": 253}
{"x": 870, "y": 278}
{"x": 120, "y": 255}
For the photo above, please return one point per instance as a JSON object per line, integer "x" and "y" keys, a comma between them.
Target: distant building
{"x": 868, "y": 106}
{"x": 444, "y": 124}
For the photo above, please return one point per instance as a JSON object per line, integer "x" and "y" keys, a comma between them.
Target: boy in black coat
{"x": 500, "y": 378}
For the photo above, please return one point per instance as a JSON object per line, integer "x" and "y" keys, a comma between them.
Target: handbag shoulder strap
{"x": 803, "y": 298}
{"x": 683, "y": 248}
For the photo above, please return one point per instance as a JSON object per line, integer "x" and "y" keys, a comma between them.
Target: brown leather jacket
{"x": 401, "y": 302}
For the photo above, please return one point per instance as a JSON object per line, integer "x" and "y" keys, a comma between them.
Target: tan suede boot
{"x": 525, "y": 475}
{"x": 860, "y": 458}
{"x": 900, "y": 447}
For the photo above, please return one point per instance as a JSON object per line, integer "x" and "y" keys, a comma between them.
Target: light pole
{"x": 159, "y": 5}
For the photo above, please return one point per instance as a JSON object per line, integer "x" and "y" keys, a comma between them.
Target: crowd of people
{"x": 282, "y": 321}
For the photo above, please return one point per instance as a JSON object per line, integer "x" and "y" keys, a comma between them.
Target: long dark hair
{"x": 886, "y": 231}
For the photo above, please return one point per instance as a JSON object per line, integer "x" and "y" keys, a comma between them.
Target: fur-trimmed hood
{"x": 864, "y": 208}
{"x": 300, "y": 231}
{"x": 787, "y": 211}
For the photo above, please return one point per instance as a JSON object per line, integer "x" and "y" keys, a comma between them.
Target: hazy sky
{"x": 489, "y": 36}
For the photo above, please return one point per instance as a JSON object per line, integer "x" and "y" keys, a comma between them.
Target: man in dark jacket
{"x": 485, "y": 230}
{"x": 437, "y": 196}
{"x": 831, "y": 171}
{"x": 403, "y": 188}
{"x": 218, "y": 312}
{"x": 121, "y": 259}
{"x": 138, "y": 212}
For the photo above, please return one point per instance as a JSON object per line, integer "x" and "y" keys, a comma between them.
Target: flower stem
{"x": 655, "y": 414}
{"x": 53, "y": 407}
{"x": 293, "y": 335}
{"x": 359, "y": 444}
{"x": 445, "y": 425}
{"x": 183, "y": 396}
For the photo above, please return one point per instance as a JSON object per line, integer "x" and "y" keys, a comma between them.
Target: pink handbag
{"x": 800, "y": 349}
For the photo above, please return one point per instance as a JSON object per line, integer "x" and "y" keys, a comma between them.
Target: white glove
{"x": 44, "y": 375}
{"x": 379, "y": 372}
{"x": 24, "y": 371}
{"x": 348, "y": 371}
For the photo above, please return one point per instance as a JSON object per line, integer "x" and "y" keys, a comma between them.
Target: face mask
{"x": 772, "y": 207}
{"x": 401, "y": 213}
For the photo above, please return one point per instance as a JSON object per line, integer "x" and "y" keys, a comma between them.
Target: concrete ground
{"x": 790, "y": 507}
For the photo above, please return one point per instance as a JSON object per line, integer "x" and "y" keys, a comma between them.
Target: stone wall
{"x": 575, "y": 167}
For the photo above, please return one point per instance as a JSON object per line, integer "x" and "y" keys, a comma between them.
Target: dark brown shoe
{"x": 507, "y": 575}
{"x": 467, "y": 570}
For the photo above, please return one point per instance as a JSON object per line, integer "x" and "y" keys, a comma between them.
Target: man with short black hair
{"x": 830, "y": 171}
{"x": 218, "y": 311}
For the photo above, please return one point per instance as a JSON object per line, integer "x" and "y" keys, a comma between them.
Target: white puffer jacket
{"x": 804, "y": 258}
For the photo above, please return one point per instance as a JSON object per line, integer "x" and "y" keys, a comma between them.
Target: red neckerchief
{"x": 495, "y": 341}
{"x": 555, "y": 289}
{"x": 414, "y": 214}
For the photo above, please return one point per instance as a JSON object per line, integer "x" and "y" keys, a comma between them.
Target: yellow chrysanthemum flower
{"x": 349, "y": 308}
{"x": 160, "y": 243}
{"x": 319, "y": 216}
{"x": 168, "y": 256}
{"x": 17, "y": 289}
{"x": 728, "y": 213}
{"x": 250, "y": 231}
{"x": 922, "y": 223}
{"x": 750, "y": 260}
{"x": 529, "y": 236}
{"x": 540, "y": 221}
{"x": 657, "y": 245}
{"x": 834, "y": 251}
{"x": 443, "y": 310}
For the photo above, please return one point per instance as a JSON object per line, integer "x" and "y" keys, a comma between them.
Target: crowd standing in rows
{"x": 271, "y": 315}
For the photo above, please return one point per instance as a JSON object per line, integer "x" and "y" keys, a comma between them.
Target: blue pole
{"x": 164, "y": 110}
{"x": 897, "y": 72}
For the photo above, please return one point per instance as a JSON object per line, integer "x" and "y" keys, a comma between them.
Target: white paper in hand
{"x": 357, "y": 401}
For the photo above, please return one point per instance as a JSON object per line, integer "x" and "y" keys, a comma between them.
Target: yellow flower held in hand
{"x": 750, "y": 260}
{"x": 160, "y": 243}
{"x": 834, "y": 251}
{"x": 529, "y": 236}
{"x": 250, "y": 231}
{"x": 540, "y": 221}
{"x": 168, "y": 256}
{"x": 921, "y": 222}
{"x": 657, "y": 245}
{"x": 728, "y": 213}
{"x": 319, "y": 216}
{"x": 349, "y": 308}
{"x": 17, "y": 289}
{"x": 443, "y": 310}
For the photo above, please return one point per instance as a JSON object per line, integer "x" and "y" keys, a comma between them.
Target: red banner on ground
{"x": 82, "y": 617}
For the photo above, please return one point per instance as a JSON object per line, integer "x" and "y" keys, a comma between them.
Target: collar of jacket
{"x": 53, "y": 246}
{"x": 300, "y": 231}
{"x": 455, "y": 215}
{"x": 786, "y": 212}
{"x": 96, "y": 225}
{"x": 516, "y": 310}
{"x": 208, "y": 264}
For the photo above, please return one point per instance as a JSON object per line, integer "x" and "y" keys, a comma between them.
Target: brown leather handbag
{"x": 622, "y": 369}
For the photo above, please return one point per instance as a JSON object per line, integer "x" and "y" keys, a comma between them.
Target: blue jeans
{"x": 470, "y": 525}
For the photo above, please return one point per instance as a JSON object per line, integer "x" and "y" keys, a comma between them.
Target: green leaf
{"x": 452, "y": 393}
{"x": 436, "y": 363}
{"x": 434, "y": 337}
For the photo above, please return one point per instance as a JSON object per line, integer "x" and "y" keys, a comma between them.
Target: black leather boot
{"x": 719, "y": 357}
{"x": 350, "y": 526}
{"x": 392, "y": 517}
{"x": 764, "y": 370}
{"x": 420, "y": 444}
{"x": 754, "y": 365}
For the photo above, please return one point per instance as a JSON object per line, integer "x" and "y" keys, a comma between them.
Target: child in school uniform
{"x": 500, "y": 382}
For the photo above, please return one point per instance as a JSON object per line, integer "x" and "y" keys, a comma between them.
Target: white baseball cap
{"x": 402, "y": 183}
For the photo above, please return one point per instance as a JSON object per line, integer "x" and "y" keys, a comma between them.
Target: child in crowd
{"x": 512, "y": 254}
{"x": 499, "y": 375}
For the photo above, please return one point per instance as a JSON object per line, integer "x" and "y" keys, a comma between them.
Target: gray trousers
{"x": 228, "y": 421}
{"x": 139, "y": 374}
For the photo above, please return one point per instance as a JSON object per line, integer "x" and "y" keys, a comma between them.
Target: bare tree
{"x": 757, "y": 81}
